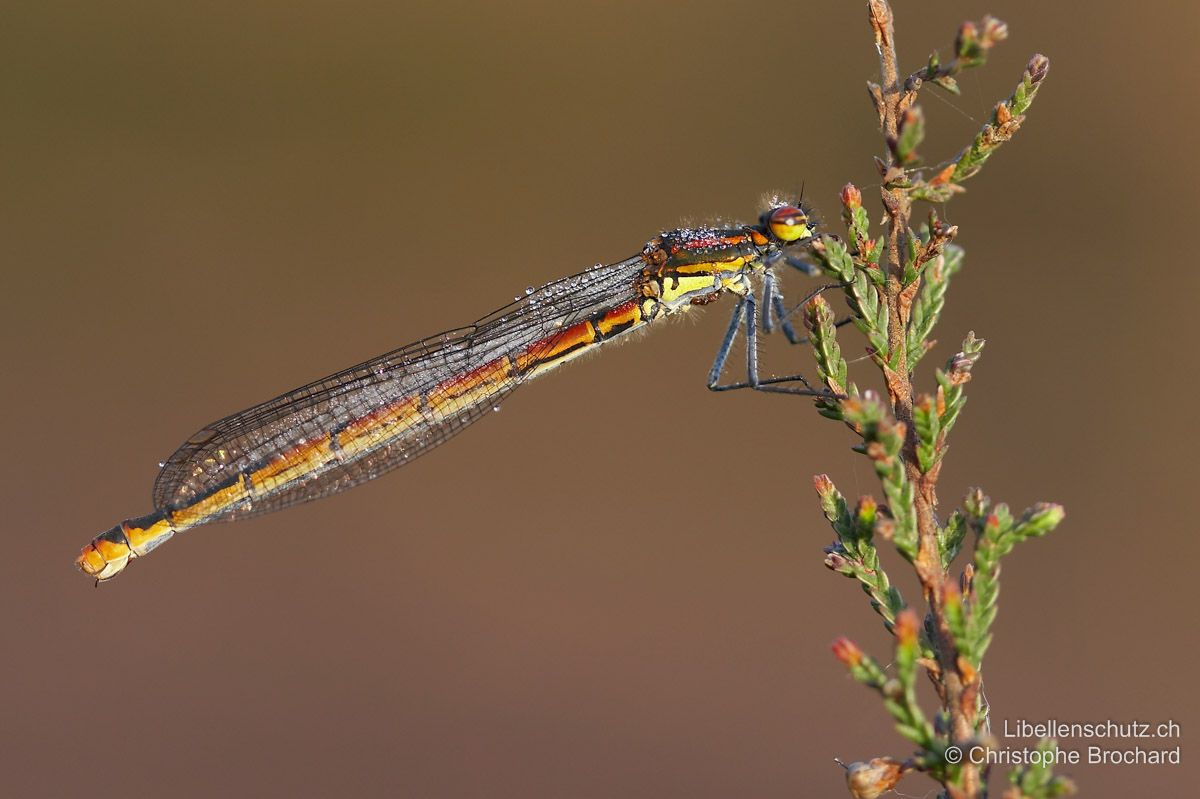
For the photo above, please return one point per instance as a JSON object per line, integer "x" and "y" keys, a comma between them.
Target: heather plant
{"x": 895, "y": 284}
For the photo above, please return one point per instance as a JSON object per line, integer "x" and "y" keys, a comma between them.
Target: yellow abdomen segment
{"x": 111, "y": 551}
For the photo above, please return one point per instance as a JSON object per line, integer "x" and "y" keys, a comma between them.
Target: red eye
{"x": 788, "y": 223}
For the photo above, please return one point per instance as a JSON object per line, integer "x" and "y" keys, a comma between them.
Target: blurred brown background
{"x": 207, "y": 203}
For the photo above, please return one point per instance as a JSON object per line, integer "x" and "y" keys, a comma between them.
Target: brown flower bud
{"x": 1037, "y": 68}
{"x": 866, "y": 507}
{"x": 851, "y": 196}
{"x": 837, "y": 562}
{"x": 906, "y": 627}
{"x": 968, "y": 35}
{"x": 868, "y": 249}
{"x": 944, "y": 176}
{"x": 847, "y": 652}
{"x": 968, "y": 578}
{"x": 873, "y": 778}
{"x": 994, "y": 30}
{"x": 966, "y": 670}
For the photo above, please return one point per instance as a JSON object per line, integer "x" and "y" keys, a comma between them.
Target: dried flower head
{"x": 873, "y": 778}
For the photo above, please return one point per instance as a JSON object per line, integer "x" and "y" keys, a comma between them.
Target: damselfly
{"x": 355, "y": 425}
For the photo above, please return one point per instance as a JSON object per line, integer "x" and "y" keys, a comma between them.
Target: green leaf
{"x": 956, "y": 618}
{"x": 1005, "y": 121}
{"x": 859, "y": 224}
{"x": 1036, "y": 780}
{"x": 927, "y": 308}
{"x": 910, "y": 134}
{"x": 834, "y": 259}
{"x": 948, "y": 83}
{"x": 831, "y": 366}
{"x": 853, "y": 554}
{"x": 912, "y": 253}
{"x": 883, "y": 438}
{"x": 928, "y": 426}
{"x": 1039, "y": 520}
{"x": 951, "y": 538}
{"x": 997, "y": 533}
{"x": 954, "y": 377}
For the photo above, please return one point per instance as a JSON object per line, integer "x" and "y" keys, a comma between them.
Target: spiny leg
{"x": 812, "y": 270}
{"x": 770, "y": 384}
{"x": 773, "y": 308}
{"x": 747, "y": 309}
{"x": 714, "y": 374}
{"x": 773, "y": 302}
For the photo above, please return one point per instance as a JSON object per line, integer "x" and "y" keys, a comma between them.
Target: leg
{"x": 774, "y": 307}
{"x": 771, "y": 384}
{"x": 714, "y": 374}
{"x": 812, "y": 270}
{"x": 747, "y": 308}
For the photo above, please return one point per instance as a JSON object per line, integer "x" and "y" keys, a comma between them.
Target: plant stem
{"x": 895, "y": 286}
{"x": 958, "y": 694}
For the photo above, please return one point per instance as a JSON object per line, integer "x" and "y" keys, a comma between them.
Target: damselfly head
{"x": 788, "y": 223}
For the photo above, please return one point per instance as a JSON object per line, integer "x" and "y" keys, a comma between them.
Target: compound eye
{"x": 788, "y": 223}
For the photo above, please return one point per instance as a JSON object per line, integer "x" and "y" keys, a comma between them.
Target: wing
{"x": 353, "y": 426}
